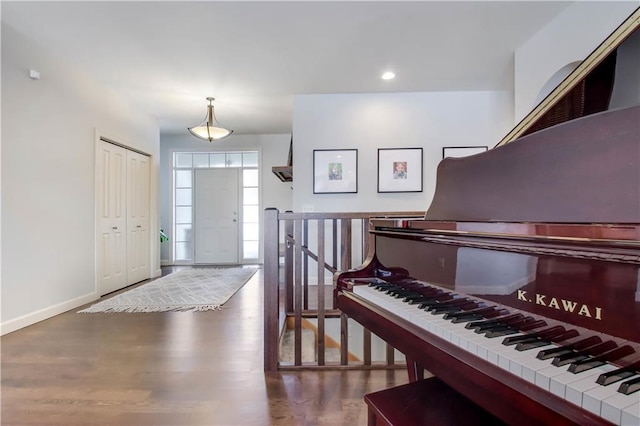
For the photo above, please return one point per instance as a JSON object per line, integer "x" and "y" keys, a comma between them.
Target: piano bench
{"x": 425, "y": 402}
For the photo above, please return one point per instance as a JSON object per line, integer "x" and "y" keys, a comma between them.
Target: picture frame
{"x": 335, "y": 171}
{"x": 400, "y": 170}
{"x": 462, "y": 151}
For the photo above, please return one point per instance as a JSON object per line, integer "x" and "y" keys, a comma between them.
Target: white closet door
{"x": 138, "y": 238}
{"x": 216, "y": 216}
{"x": 111, "y": 217}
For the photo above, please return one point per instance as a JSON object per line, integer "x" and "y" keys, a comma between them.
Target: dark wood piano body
{"x": 549, "y": 225}
{"x": 534, "y": 265}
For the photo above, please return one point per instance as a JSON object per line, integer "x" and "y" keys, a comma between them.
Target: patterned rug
{"x": 197, "y": 289}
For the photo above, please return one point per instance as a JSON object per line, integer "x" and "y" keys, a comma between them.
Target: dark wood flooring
{"x": 174, "y": 368}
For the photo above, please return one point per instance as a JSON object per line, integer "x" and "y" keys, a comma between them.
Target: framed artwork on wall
{"x": 335, "y": 171}
{"x": 462, "y": 151}
{"x": 400, "y": 170}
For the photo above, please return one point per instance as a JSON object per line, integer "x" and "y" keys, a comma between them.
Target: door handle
{"x": 114, "y": 227}
{"x": 138, "y": 226}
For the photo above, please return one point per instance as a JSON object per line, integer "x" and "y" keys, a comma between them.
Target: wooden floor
{"x": 174, "y": 368}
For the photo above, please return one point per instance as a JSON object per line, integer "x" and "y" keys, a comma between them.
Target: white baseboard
{"x": 165, "y": 262}
{"x": 46, "y": 313}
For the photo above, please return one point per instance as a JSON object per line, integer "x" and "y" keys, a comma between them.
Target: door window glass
{"x": 200, "y": 160}
{"x": 217, "y": 160}
{"x": 234, "y": 159}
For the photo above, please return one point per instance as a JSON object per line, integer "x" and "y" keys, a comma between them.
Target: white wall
{"x": 274, "y": 151}
{"x": 570, "y": 37}
{"x": 367, "y": 122}
{"x": 626, "y": 86}
{"x": 48, "y": 138}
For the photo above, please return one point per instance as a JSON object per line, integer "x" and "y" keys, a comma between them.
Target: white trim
{"x": 46, "y": 313}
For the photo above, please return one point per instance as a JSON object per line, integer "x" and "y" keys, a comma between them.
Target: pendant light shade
{"x": 210, "y": 129}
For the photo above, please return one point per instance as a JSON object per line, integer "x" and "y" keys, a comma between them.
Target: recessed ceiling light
{"x": 388, "y": 75}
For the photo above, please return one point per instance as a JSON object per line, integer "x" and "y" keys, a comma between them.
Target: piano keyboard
{"x": 584, "y": 376}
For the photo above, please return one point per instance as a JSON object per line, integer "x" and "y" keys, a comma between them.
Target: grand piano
{"x": 520, "y": 288}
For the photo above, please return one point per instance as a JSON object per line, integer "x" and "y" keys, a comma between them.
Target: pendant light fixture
{"x": 210, "y": 129}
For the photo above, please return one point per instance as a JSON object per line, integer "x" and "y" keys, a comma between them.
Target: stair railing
{"x": 295, "y": 290}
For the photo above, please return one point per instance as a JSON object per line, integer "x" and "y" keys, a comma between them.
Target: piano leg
{"x": 415, "y": 370}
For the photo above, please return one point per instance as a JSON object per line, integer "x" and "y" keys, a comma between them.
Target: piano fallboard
{"x": 556, "y": 271}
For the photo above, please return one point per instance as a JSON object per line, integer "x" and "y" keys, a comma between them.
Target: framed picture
{"x": 400, "y": 170}
{"x": 335, "y": 171}
{"x": 462, "y": 151}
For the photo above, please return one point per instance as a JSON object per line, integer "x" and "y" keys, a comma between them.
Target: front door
{"x": 216, "y": 216}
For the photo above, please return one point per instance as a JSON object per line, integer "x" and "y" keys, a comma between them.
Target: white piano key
{"x": 592, "y": 398}
{"x": 631, "y": 415}
{"x": 493, "y": 349}
{"x": 613, "y": 406}
{"x": 543, "y": 377}
{"x": 525, "y": 364}
{"x": 575, "y": 390}
{"x": 531, "y": 367}
{"x": 559, "y": 383}
{"x": 469, "y": 339}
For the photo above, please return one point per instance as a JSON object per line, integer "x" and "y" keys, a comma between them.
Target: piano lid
{"x": 586, "y": 90}
{"x": 577, "y": 159}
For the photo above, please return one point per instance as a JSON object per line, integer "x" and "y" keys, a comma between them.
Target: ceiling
{"x": 253, "y": 57}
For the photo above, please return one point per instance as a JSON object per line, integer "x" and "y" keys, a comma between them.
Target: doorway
{"x": 195, "y": 237}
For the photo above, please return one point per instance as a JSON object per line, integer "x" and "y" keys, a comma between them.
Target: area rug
{"x": 197, "y": 289}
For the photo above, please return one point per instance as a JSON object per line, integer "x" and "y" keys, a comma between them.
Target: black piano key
{"x": 529, "y": 324}
{"x": 419, "y": 301}
{"x": 505, "y": 331}
{"x": 556, "y": 337}
{"x": 561, "y": 350}
{"x": 458, "y": 317}
{"x": 435, "y": 301}
{"x": 515, "y": 325}
{"x": 455, "y": 308}
{"x": 491, "y": 322}
{"x": 583, "y": 354}
{"x": 443, "y": 309}
{"x": 531, "y": 337}
{"x": 415, "y": 299}
{"x": 513, "y": 320}
{"x": 597, "y": 361}
{"x": 506, "y": 322}
{"x": 404, "y": 293}
{"x": 619, "y": 374}
{"x": 630, "y": 386}
{"x": 457, "y": 302}
{"x": 474, "y": 314}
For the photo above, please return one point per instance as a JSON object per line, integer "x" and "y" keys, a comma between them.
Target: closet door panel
{"x": 138, "y": 242}
{"x": 111, "y": 221}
